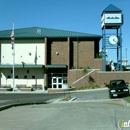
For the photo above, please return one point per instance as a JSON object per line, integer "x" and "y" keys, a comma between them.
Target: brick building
{"x": 55, "y": 52}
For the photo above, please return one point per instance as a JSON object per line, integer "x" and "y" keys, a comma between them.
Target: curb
{"x": 57, "y": 101}
{"x": 12, "y": 105}
{"x": 92, "y": 101}
{"x": 125, "y": 103}
{"x": 46, "y": 92}
{"x": 31, "y": 103}
{"x": 90, "y": 90}
{"x": 19, "y": 104}
{"x": 24, "y": 92}
{"x": 72, "y": 99}
{"x": 60, "y": 100}
{"x": 85, "y": 90}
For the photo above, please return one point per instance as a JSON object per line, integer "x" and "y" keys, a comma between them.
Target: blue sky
{"x": 73, "y": 15}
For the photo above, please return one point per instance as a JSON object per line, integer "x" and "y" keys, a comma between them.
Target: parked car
{"x": 118, "y": 88}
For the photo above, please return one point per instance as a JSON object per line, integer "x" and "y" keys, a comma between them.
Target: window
{"x": 60, "y": 80}
{"x": 54, "y": 80}
{"x": 27, "y": 71}
{"x": 8, "y": 77}
{"x": 16, "y": 76}
{"x": 33, "y": 77}
{"x": 59, "y": 86}
{"x": 64, "y": 80}
{"x": 25, "y": 76}
{"x": 54, "y": 86}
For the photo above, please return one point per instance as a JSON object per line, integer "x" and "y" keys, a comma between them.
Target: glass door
{"x": 57, "y": 82}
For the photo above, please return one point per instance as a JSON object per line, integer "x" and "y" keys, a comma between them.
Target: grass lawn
{"x": 127, "y": 99}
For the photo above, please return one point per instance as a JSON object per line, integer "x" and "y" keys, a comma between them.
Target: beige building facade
{"x": 44, "y": 56}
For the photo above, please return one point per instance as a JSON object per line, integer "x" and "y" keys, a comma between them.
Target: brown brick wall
{"x": 73, "y": 75}
{"x": 66, "y": 92}
{"x": 63, "y": 54}
{"x": 74, "y": 53}
{"x": 85, "y": 54}
{"x": 45, "y": 51}
{"x": 105, "y": 77}
{"x": 98, "y": 64}
{"x": 99, "y": 77}
{"x": 67, "y": 52}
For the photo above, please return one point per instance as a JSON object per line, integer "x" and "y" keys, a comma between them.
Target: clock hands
{"x": 114, "y": 40}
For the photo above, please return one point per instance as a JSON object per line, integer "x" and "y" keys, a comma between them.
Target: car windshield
{"x": 118, "y": 83}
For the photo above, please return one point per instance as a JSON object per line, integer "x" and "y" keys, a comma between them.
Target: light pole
{"x": 126, "y": 56}
{"x": 23, "y": 63}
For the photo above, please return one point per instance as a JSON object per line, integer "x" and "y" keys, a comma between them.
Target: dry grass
{"x": 127, "y": 99}
{"x": 67, "y": 98}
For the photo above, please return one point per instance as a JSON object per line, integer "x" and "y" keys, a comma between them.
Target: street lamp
{"x": 126, "y": 56}
{"x": 23, "y": 63}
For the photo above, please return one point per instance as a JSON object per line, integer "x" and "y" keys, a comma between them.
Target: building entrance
{"x": 56, "y": 76}
{"x": 57, "y": 82}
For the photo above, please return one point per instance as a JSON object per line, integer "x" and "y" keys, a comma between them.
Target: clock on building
{"x": 113, "y": 39}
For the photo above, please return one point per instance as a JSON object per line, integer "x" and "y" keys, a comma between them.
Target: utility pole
{"x": 13, "y": 48}
{"x": 126, "y": 56}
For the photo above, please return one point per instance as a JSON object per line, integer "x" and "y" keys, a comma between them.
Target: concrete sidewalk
{"x": 30, "y": 92}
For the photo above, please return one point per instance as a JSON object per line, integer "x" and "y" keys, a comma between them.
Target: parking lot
{"x": 71, "y": 116}
{"x": 91, "y": 110}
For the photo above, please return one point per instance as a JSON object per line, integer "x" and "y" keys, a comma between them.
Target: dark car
{"x": 118, "y": 88}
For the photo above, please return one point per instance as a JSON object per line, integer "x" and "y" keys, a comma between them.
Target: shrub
{"x": 73, "y": 67}
{"x": 106, "y": 85}
{"x": 87, "y": 87}
{"x": 9, "y": 89}
{"x": 88, "y": 67}
{"x": 91, "y": 80}
{"x": 85, "y": 71}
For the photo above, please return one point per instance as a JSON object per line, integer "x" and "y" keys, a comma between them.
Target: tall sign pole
{"x": 35, "y": 61}
{"x": 111, "y": 22}
{"x": 13, "y": 48}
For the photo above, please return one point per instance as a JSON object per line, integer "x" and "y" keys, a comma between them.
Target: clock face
{"x": 113, "y": 39}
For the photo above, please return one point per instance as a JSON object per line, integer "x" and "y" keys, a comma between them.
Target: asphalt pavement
{"x": 65, "y": 116}
{"x": 9, "y": 99}
{"x": 82, "y": 113}
{"x": 94, "y": 94}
